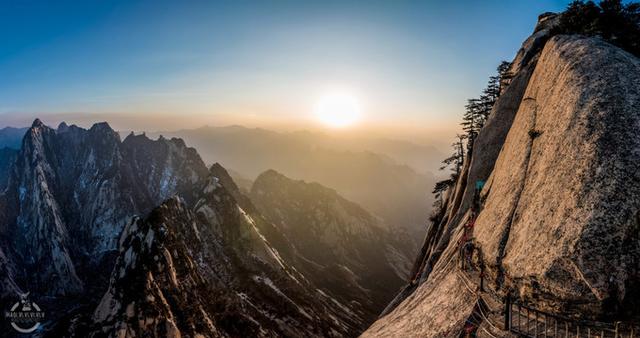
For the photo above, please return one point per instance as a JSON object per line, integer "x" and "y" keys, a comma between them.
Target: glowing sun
{"x": 337, "y": 110}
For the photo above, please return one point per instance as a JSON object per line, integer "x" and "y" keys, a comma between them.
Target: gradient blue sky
{"x": 408, "y": 62}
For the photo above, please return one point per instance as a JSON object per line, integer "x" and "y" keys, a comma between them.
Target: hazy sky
{"x": 407, "y": 62}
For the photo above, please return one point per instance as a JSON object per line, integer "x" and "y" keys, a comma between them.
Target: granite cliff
{"x": 556, "y": 222}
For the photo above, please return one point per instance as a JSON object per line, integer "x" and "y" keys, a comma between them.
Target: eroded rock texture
{"x": 560, "y": 216}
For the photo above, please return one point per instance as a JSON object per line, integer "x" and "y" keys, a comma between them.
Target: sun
{"x": 338, "y": 110}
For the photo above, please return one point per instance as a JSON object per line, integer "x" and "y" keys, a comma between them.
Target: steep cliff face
{"x": 564, "y": 196}
{"x": 72, "y": 190}
{"x": 558, "y": 218}
{"x": 335, "y": 241}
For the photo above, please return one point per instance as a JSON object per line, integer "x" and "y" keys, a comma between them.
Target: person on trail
{"x": 468, "y": 254}
{"x": 472, "y": 221}
{"x": 476, "y": 195}
{"x": 469, "y": 330}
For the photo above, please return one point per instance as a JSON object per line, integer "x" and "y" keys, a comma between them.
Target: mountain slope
{"x": 336, "y": 240}
{"x": 557, "y": 219}
{"x": 208, "y": 271}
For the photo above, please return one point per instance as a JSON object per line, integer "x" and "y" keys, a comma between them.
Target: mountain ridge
{"x": 338, "y": 236}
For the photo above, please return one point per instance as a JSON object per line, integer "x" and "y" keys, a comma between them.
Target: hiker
{"x": 468, "y": 253}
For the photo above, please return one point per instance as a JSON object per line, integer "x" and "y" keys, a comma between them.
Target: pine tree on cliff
{"x": 505, "y": 74}
{"x": 454, "y": 162}
{"x": 476, "y": 113}
{"x": 472, "y": 120}
{"x": 612, "y": 20}
{"x": 477, "y": 110}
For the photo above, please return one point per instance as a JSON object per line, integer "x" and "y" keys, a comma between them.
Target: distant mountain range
{"x": 422, "y": 158}
{"x": 11, "y": 137}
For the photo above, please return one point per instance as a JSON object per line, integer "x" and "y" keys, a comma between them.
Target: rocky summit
{"x": 71, "y": 190}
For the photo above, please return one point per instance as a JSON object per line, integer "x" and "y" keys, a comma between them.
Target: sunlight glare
{"x": 338, "y": 110}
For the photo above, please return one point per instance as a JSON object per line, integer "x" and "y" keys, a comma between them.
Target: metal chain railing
{"x": 529, "y": 322}
{"x": 522, "y": 319}
{"x": 526, "y": 321}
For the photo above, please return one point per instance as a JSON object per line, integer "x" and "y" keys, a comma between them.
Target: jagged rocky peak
{"x": 555, "y": 225}
{"x": 72, "y": 192}
{"x": 223, "y": 178}
{"x": 155, "y": 287}
{"x": 37, "y": 123}
{"x": 179, "y": 274}
{"x": 62, "y": 127}
{"x": 103, "y": 128}
{"x": 167, "y": 166}
{"x": 202, "y": 262}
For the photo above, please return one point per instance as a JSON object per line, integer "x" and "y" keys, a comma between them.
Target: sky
{"x": 175, "y": 64}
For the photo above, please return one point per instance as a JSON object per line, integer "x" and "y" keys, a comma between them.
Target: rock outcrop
{"x": 208, "y": 271}
{"x": 559, "y": 216}
{"x": 71, "y": 191}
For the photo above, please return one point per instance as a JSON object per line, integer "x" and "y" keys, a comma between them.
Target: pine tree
{"x": 504, "y": 71}
{"x": 476, "y": 113}
{"x": 454, "y": 162}
{"x": 472, "y": 120}
{"x": 612, "y": 20}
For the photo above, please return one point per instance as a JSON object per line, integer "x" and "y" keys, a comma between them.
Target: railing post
{"x": 566, "y": 330}
{"x": 545, "y": 326}
{"x": 519, "y": 315}
{"x": 577, "y": 331}
{"x": 555, "y": 328}
{"x": 536, "y": 318}
{"x": 615, "y": 334}
{"x": 507, "y": 313}
{"x": 528, "y": 321}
